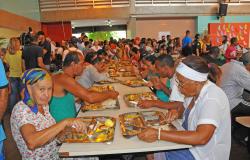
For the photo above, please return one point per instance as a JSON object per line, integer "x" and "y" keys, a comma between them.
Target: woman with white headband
{"x": 206, "y": 116}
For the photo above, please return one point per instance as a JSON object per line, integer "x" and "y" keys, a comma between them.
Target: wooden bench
{"x": 245, "y": 121}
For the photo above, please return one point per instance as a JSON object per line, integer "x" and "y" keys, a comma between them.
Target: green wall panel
{"x": 26, "y": 8}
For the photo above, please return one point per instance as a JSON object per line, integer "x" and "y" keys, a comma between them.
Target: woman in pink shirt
{"x": 231, "y": 51}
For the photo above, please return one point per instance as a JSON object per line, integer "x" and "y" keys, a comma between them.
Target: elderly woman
{"x": 206, "y": 118}
{"x": 33, "y": 128}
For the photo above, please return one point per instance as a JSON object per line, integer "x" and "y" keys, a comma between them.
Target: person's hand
{"x": 113, "y": 94}
{"x": 156, "y": 83}
{"x": 77, "y": 124}
{"x": 135, "y": 70}
{"x": 149, "y": 84}
{"x": 144, "y": 73}
{"x": 146, "y": 103}
{"x": 148, "y": 135}
{"x": 172, "y": 115}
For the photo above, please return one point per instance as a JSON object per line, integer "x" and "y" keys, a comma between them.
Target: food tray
{"x": 125, "y": 63}
{"x": 107, "y": 104}
{"x": 134, "y": 83}
{"x": 102, "y": 88}
{"x": 153, "y": 118}
{"x": 112, "y": 66}
{"x": 100, "y": 129}
{"x": 125, "y": 68}
{"x": 128, "y": 74}
{"x": 132, "y": 99}
{"x": 107, "y": 81}
{"x": 134, "y": 122}
{"x": 131, "y": 124}
{"x": 114, "y": 74}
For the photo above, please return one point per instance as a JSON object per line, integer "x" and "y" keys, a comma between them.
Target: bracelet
{"x": 159, "y": 133}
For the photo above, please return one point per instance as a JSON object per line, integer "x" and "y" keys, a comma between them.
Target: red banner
{"x": 238, "y": 30}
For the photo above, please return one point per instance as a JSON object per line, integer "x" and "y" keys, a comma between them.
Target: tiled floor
{"x": 238, "y": 152}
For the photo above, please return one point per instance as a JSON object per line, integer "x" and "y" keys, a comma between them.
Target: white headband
{"x": 190, "y": 73}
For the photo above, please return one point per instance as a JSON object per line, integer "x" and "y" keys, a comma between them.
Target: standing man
{"x": 33, "y": 54}
{"x": 187, "y": 41}
{"x": 46, "y": 48}
{"x": 3, "y": 105}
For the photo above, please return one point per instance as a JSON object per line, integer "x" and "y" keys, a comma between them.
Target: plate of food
{"x": 112, "y": 66}
{"x": 114, "y": 74}
{"x": 134, "y": 83}
{"x": 125, "y": 63}
{"x": 132, "y": 99}
{"x": 153, "y": 118}
{"x": 100, "y": 129}
{"x": 131, "y": 124}
{"x": 123, "y": 70}
{"x": 102, "y": 88}
{"x": 109, "y": 81}
{"x": 107, "y": 104}
{"x": 128, "y": 74}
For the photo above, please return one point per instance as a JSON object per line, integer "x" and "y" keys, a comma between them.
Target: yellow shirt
{"x": 15, "y": 63}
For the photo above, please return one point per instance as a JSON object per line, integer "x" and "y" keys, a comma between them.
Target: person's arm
{"x": 23, "y": 61}
{"x": 35, "y": 139}
{"x": 40, "y": 62}
{"x": 165, "y": 90}
{"x": 200, "y": 136}
{"x": 72, "y": 86}
{"x": 159, "y": 104}
{"x": 23, "y": 65}
{"x": 3, "y": 100}
{"x": 44, "y": 51}
{"x": 46, "y": 47}
{"x": 40, "y": 58}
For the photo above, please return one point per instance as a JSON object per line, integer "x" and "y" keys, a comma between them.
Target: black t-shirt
{"x": 196, "y": 45}
{"x": 46, "y": 58}
{"x": 30, "y": 55}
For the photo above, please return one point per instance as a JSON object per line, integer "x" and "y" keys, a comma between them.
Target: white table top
{"x": 120, "y": 144}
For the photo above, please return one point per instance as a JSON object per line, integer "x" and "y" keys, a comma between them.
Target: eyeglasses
{"x": 182, "y": 84}
{"x": 179, "y": 83}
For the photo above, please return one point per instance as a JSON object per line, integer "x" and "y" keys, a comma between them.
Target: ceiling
{"x": 97, "y": 22}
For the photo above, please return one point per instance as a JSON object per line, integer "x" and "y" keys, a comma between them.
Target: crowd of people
{"x": 194, "y": 80}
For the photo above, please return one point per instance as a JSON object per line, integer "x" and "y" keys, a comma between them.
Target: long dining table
{"x": 120, "y": 144}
